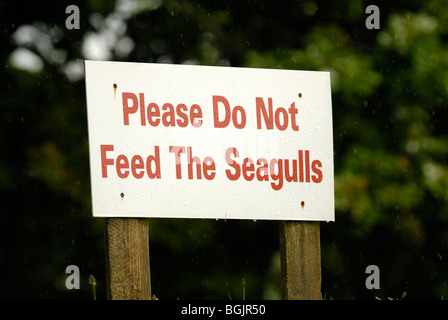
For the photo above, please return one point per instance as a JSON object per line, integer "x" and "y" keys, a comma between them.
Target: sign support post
{"x": 127, "y": 259}
{"x": 300, "y": 260}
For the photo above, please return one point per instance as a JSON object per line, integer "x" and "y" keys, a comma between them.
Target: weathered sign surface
{"x": 209, "y": 142}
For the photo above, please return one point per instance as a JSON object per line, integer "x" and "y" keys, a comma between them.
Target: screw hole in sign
{"x": 302, "y": 204}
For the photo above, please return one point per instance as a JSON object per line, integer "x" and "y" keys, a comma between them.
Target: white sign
{"x": 209, "y": 142}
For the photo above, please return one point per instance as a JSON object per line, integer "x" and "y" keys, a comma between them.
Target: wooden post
{"x": 127, "y": 259}
{"x": 300, "y": 260}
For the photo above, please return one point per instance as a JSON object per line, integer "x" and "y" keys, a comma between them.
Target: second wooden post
{"x": 300, "y": 260}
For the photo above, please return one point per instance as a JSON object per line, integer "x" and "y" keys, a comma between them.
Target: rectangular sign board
{"x": 183, "y": 141}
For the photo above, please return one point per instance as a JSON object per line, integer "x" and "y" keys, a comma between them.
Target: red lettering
{"x": 301, "y": 179}
{"x": 209, "y": 164}
{"x": 280, "y": 118}
{"x": 268, "y": 120}
{"x": 155, "y": 113}
{"x": 307, "y": 165}
{"x": 104, "y": 161}
{"x": 137, "y": 164}
{"x": 242, "y": 124}
{"x": 292, "y": 177}
{"x": 224, "y": 123}
{"x": 276, "y": 176}
{"x": 177, "y": 151}
{"x": 156, "y": 160}
{"x": 169, "y": 114}
{"x": 275, "y": 171}
{"x": 283, "y": 126}
{"x": 142, "y": 109}
{"x": 155, "y": 116}
{"x": 190, "y": 165}
{"x": 122, "y": 164}
{"x": 248, "y": 166}
{"x": 195, "y": 112}
{"x": 315, "y": 165}
{"x": 293, "y": 111}
{"x": 180, "y": 110}
{"x": 126, "y": 109}
{"x": 262, "y": 171}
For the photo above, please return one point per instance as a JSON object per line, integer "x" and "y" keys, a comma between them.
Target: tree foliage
{"x": 389, "y": 94}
